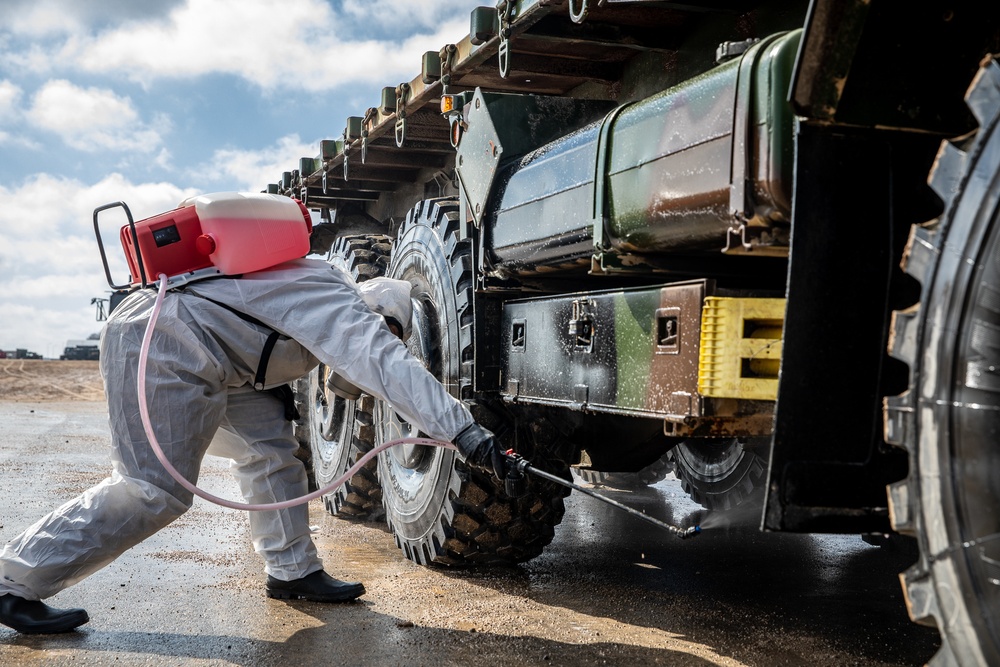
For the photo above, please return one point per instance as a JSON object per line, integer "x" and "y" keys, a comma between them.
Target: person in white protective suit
{"x": 204, "y": 362}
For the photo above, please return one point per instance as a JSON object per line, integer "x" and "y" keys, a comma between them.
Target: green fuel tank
{"x": 702, "y": 166}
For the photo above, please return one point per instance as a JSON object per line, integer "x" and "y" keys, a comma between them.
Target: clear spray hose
{"x": 147, "y": 425}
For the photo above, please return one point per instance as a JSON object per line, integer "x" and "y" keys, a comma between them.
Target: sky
{"x": 152, "y": 101}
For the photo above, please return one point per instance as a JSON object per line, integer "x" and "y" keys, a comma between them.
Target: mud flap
{"x": 829, "y": 464}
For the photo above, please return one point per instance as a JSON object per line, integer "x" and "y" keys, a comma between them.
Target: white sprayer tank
{"x": 244, "y": 232}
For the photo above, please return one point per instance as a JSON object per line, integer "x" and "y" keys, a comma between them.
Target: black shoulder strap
{"x": 238, "y": 313}
{"x": 265, "y": 356}
{"x": 283, "y": 393}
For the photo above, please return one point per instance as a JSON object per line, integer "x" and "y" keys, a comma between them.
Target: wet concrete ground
{"x": 609, "y": 590}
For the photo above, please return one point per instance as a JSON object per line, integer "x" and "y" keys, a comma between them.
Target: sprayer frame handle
{"x": 135, "y": 243}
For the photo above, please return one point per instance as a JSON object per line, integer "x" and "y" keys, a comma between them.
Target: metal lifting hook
{"x": 516, "y": 486}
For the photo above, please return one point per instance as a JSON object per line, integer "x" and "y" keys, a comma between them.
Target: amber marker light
{"x": 449, "y": 103}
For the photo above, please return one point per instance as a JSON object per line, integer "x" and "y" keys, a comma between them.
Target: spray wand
{"x": 516, "y": 486}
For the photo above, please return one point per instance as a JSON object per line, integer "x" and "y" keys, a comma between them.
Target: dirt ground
{"x": 42, "y": 381}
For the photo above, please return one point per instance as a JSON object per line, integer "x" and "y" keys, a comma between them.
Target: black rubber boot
{"x": 318, "y": 587}
{"x": 34, "y": 617}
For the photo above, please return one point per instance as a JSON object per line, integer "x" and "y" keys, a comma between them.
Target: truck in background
{"x": 756, "y": 240}
{"x": 82, "y": 350}
{"x": 20, "y": 353}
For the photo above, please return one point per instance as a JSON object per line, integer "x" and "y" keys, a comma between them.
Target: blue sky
{"x": 152, "y": 101}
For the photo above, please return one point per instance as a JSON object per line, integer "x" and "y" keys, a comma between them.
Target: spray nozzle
{"x": 515, "y": 483}
{"x": 689, "y": 532}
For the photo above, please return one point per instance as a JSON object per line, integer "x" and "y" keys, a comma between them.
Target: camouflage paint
{"x": 624, "y": 369}
{"x": 635, "y": 342}
{"x": 675, "y": 157}
{"x": 666, "y": 172}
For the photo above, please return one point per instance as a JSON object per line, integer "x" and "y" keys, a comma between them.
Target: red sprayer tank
{"x": 233, "y": 231}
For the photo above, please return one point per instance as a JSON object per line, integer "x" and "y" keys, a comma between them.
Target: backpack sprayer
{"x": 219, "y": 234}
{"x": 228, "y": 234}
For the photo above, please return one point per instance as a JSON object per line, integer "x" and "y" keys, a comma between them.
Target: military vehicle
{"x": 82, "y": 350}
{"x": 755, "y": 240}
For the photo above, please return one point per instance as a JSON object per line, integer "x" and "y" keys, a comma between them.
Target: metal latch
{"x": 367, "y": 125}
{"x": 581, "y": 325}
{"x": 505, "y": 11}
{"x": 728, "y": 50}
{"x": 402, "y": 97}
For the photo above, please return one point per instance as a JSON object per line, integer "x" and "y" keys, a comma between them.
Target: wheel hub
{"x": 329, "y": 418}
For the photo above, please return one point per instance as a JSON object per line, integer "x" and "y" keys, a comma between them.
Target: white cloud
{"x": 92, "y": 119}
{"x": 50, "y": 266}
{"x": 249, "y": 38}
{"x": 304, "y": 44}
{"x": 47, "y": 209}
{"x": 41, "y": 18}
{"x": 10, "y": 97}
{"x": 11, "y": 115}
{"x": 8, "y": 139}
{"x": 251, "y": 170}
{"x": 33, "y": 59}
{"x": 420, "y": 13}
{"x": 164, "y": 160}
{"x": 45, "y": 18}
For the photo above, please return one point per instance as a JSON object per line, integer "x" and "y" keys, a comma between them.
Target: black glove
{"x": 481, "y": 450}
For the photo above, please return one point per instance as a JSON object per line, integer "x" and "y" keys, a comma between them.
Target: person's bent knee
{"x": 159, "y": 503}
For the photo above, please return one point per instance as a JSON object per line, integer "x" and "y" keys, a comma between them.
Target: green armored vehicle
{"x": 755, "y": 243}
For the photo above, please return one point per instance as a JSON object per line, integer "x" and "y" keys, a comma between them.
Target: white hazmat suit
{"x": 202, "y": 363}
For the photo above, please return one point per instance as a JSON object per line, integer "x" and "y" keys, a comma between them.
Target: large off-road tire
{"x": 339, "y": 431}
{"x": 720, "y": 474}
{"x": 439, "y": 510}
{"x": 949, "y": 419}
